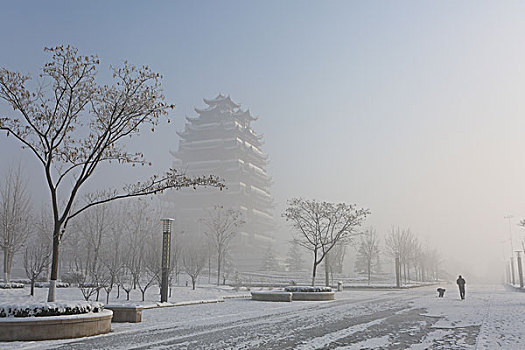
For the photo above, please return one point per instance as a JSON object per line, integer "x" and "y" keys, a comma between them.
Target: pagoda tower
{"x": 220, "y": 141}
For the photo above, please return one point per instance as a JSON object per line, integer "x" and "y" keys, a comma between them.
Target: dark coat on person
{"x": 461, "y": 282}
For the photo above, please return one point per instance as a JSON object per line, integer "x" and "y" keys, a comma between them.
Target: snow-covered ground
{"x": 489, "y": 318}
{"x": 152, "y": 295}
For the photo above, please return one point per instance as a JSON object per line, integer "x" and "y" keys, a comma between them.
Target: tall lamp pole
{"x": 512, "y": 273}
{"x": 165, "y": 263}
{"x": 520, "y": 268}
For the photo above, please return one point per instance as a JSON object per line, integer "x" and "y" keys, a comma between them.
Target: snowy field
{"x": 152, "y": 296}
{"x": 489, "y": 318}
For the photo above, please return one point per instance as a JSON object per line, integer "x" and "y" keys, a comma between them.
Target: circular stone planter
{"x": 272, "y": 296}
{"x": 312, "y": 296}
{"x": 55, "y": 327}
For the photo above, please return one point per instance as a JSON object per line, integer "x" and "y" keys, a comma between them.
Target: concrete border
{"x": 272, "y": 296}
{"x": 313, "y": 296}
{"x": 512, "y": 288}
{"x": 55, "y": 327}
{"x": 126, "y": 313}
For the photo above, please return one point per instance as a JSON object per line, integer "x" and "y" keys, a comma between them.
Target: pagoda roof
{"x": 221, "y": 99}
{"x": 246, "y": 115}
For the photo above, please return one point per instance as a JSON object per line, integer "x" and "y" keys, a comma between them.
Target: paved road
{"x": 356, "y": 320}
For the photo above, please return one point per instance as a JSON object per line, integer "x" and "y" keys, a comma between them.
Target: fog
{"x": 413, "y": 110}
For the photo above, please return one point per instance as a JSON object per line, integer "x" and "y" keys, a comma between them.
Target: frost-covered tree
{"x": 37, "y": 254}
{"x": 294, "y": 258}
{"x": 368, "y": 253}
{"x": 334, "y": 260}
{"x": 72, "y": 124}
{"x": 319, "y": 226}
{"x": 194, "y": 257}
{"x": 402, "y": 244}
{"x": 270, "y": 262}
{"x": 92, "y": 229}
{"x": 111, "y": 254}
{"x": 15, "y": 216}
{"x": 221, "y": 227}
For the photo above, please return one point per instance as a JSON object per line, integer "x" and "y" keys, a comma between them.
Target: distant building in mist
{"x": 221, "y": 141}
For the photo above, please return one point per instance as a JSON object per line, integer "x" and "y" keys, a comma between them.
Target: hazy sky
{"x": 414, "y": 109}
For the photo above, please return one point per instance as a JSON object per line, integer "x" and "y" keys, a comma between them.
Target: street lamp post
{"x": 398, "y": 272}
{"x": 520, "y": 269}
{"x": 165, "y": 263}
{"x": 512, "y": 273}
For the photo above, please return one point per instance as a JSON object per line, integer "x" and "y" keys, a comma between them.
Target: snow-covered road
{"x": 490, "y": 318}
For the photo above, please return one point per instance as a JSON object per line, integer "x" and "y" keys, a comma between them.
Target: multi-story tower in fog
{"x": 221, "y": 141}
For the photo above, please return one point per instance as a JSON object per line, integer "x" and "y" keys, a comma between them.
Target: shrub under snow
{"x": 46, "y": 284}
{"x": 11, "y": 285}
{"x": 307, "y": 289}
{"x": 49, "y": 309}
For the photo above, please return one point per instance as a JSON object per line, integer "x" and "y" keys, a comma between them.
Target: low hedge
{"x": 11, "y": 285}
{"x": 307, "y": 289}
{"x": 49, "y": 309}
{"x": 46, "y": 284}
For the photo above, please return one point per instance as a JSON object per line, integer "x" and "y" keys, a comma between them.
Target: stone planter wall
{"x": 272, "y": 296}
{"x": 313, "y": 296}
{"x": 55, "y": 327}
{"x": 126, "y": 313}
{"x": 289, "y": 296}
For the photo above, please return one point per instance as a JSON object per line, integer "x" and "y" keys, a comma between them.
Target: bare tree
{"x": 270, "y": 262}
{"x": 152, "y": 270}
{"x": 319, "y": 226}
{"x": 111, "y": 253}
{"x": 228, "y": 267}
{"x": 93, "y": 227}
{"x": 93, "y": 281}
{"x": 126, "y": 280}
{"x": 399, "y": 244}
{"x": 194, "y": 259}
{"x": 333, "y": 262}
{"x": 222, "y": 225}
{"x": 294, "y": 259}
{"x": 37, "y": 255}
{"x": 175, "y": 260}
{"x": 15, "y": 213}
{"x": 80, "y": 124}
{"x": 368, "y": 252}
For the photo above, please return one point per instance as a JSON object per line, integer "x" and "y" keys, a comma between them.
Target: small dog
{"x": 441, "y": 292}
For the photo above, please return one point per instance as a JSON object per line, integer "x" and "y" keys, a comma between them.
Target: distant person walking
{"x": 461, "y": 284}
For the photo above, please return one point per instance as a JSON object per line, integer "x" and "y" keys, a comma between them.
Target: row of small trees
{"x": 22, "y": 232}
{"x": 120, "y": 245}
{"x": 326, "y": 229}
{"x": 399, "y": 244}
{"x": 113, "y": 244}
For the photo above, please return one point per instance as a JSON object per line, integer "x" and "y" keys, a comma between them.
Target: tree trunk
{"x": 7, "y": 278}
{"x": 52, "y": 294}
{"x": 369, "y": 267}
{"x": 209, "y": 268}
{"x": 326, "y": 271}
{"x": 193, "y": 282}
{"x": 219, "y": 268}
{"x": 313, "y": 273}
{"x": 108, "y": 291}
{"x": 32, "y": 287}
